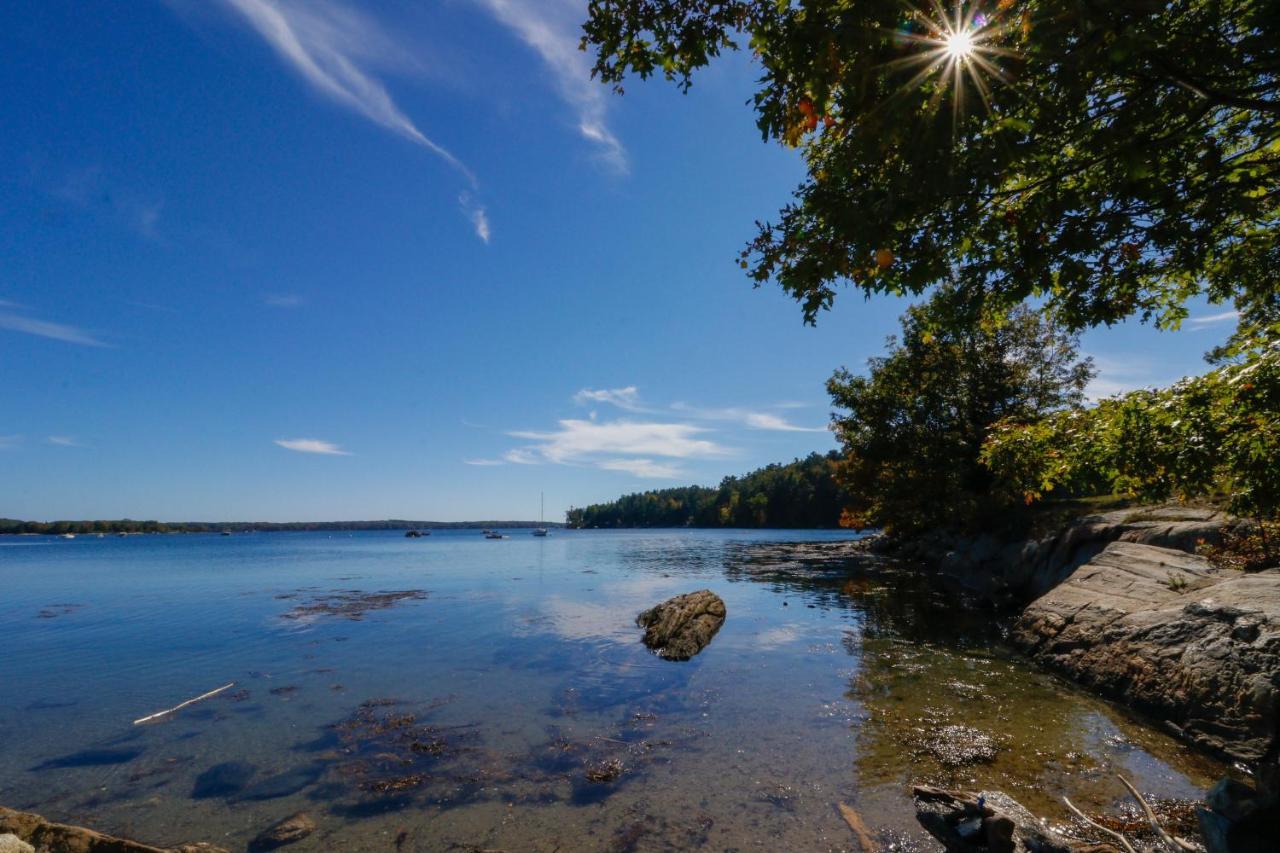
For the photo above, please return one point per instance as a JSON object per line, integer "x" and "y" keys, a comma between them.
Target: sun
{"x": 959, "y": 45}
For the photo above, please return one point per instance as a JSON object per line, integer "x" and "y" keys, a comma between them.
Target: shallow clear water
{"x": 480, "y": 713}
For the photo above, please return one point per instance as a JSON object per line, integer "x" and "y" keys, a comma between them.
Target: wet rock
{"x": 1239, "y": 818}
{"x": 48, "y": 837}
{"x": 293, "y": 828}
{"x": 10, "y": 843}
{"x": 681, "y": 627}
{"x": 966, "y": 822}
{"x": 1176, "y": 638}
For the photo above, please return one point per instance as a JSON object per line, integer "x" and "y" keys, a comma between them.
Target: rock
{"x": 10, "y": 843}
{"x": 679, "y": 628}
{"x": 1010, "y": 574}
{"x": 1239, "y": 819}
{"x": 293, "y": 828}
{"x": 1170, "y": 635}
{"x": 49, "y": 837}
{"x": 989, "y": 822}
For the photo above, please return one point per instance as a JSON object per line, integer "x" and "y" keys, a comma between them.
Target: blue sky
{"x": 266, "y": 259}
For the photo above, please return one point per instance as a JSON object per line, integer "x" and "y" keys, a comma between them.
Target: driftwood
{"x": 1120, "y": 839}
{"x": 166, "y": 712}
{"x": 860, "y": 832}
{"x": 1175, "y": 844}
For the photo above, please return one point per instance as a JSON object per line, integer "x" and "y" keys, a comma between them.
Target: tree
{"x": 1204, "y": 436}
{"x": 914, "y": 426}
{"x": 1110, "y": 157}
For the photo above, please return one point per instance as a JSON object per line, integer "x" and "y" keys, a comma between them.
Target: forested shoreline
{"x": 802, "y": 494}
{"x": 126, "y": 525}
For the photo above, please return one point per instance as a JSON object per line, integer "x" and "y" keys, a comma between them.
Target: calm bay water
{"x": 503, "y": 700}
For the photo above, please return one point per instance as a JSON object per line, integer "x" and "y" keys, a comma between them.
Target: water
{"x": 504, "y": 701}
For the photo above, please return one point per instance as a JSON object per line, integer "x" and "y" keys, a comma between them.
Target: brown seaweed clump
{"x": 351, "y": 604}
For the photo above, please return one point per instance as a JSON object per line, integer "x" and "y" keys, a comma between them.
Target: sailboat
{"x": 542, "y": 511}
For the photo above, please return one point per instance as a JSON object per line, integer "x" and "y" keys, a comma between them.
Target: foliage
{"x": 1203, "y": 436}
{"x": 1247, "y": 547}
{"x": 913, "y": 427}
{"x": 802, "y": 494}
{"x": 1112, "y": 158}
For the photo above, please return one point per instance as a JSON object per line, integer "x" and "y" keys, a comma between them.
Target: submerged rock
{"x": 293, "y": 828}
{"x": 679, "y": 628}
{"x": 223, "y": 780}
{"x": 49, "y": 837}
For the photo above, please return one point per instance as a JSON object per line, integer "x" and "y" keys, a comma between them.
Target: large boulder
{"x": 1166, "y": 632}
{"x": 49, "y": 837}
{"x": 679, "y": 628}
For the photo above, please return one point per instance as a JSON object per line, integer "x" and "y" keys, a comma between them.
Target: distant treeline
{"x": 803, "y": 494}
{"x": 128, "y": 525}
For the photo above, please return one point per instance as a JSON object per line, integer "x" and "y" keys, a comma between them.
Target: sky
{"x": 308, "y": 259}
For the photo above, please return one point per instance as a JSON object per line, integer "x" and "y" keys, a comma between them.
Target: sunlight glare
{"x": 959, "y": 45}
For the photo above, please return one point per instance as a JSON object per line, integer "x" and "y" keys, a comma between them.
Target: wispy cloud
{"x": 750, "y": 418}
{"x": 1119, "y": 375}
{"x": 63, "y": 441}
{"x": 283, "y": 300}
{"x": 477, "y": 214}
{"x": 45, "y": 329}
{"x": 482, "y": 462}
{"x": 1213, "y": 319}
{"x": 87, "y": 188}
{"x": 646, "y": 468}
{"x": 620, "y": 445}
{"x": 628, "y": 399}
{"x": 624, "y": 398}
{"x": 311, "y": 445}
{"x": 552, "y": 29}
{"x": 764, "y": 420}
{"x": 329, "y": 45}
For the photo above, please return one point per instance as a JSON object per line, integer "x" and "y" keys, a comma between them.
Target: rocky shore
{"x": 1120, "y": 603}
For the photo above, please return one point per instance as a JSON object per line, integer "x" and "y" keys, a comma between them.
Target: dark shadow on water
{"x": 223, "y": 780}
{"x": 283, "y": 784}
{"x": 90, "y": 758}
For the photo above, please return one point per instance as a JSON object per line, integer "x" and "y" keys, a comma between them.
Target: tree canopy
{"x": 914, "y": 427}
{"x": 1110, "y": 157}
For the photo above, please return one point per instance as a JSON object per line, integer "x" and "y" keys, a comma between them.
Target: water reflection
{"x": 496, "y": 695}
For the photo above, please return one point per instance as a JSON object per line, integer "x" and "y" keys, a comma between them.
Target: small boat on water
{"x": 493, "y": 534}
{"x": 412, "y": 534}
{"x": 68, "y": 536}
{"x": 542, "y": 511}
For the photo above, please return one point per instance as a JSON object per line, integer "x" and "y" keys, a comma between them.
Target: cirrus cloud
{"x": 311, "y": 445}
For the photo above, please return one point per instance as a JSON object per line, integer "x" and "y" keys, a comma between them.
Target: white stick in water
{"x": 179, "y": 707}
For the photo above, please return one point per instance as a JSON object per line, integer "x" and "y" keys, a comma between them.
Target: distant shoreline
{"x": 11, "y": 527}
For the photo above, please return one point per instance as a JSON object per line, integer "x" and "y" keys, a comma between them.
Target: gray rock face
{"x": 1011, "y": 574}
{"x": 293, "y": 828}
{"x": 679, "y": 628}
{"x": 1167, "y": 633}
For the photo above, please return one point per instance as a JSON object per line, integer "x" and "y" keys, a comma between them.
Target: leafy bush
{"x": 1216, "y": 434}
